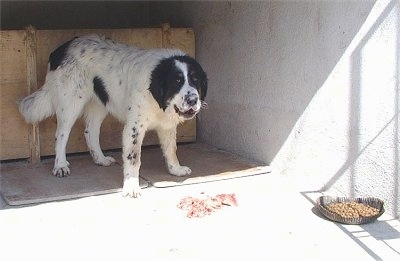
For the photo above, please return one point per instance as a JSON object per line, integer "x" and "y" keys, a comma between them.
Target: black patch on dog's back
{"x": 100, "y": 89}
{"x": 165, "y": 79}
{"x": 58, "y": 56}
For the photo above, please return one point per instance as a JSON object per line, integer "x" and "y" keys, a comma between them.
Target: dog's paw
{"x": 179, "y": 170}
{"x": 131, "y": 188}
{"x": 61, "y": 171}
{"x": 105, "y": 161}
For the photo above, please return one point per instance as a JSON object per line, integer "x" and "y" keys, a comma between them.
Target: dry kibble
{"x": 352, "y": 209}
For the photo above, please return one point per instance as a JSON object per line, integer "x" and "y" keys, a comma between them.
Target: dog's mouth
{"x": 188, "y": 114}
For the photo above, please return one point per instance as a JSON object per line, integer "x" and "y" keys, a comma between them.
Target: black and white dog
{"x": 145, "y": 89}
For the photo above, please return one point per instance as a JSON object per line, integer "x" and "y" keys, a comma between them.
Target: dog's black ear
{"x": 158, "y": 84}
{"x": 157, "y": 90}
{"x": 203, "y": 88}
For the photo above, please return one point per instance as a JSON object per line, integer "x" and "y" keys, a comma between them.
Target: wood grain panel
{"x": 14, "y": 142}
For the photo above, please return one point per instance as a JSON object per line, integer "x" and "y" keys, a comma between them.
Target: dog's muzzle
{"x": 191, "y": 100}
{"x": 190, "y": 106}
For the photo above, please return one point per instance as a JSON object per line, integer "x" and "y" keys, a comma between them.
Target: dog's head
{"x": 179, "y": 82}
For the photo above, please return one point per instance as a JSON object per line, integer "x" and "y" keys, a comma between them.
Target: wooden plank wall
{"x": 24, "y": 56}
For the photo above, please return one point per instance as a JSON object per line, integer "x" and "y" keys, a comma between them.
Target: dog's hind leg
{"x": 66, "y": 117}
{"x": 94, "y": 116}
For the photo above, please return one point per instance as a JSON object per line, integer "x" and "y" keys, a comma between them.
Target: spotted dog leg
{"x": 94, "y": 116}
{"x": 167, "y": 139}
{"x": 132, "y": 138}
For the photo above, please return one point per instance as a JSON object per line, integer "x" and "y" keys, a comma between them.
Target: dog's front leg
{"x": 132, "y": 138}
{"x": 167, "y": 139}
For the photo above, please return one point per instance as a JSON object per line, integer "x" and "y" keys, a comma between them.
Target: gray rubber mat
{"x": 23, "y": 184}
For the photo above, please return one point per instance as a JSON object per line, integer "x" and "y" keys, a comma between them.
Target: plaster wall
{"x": 311, "y": 88}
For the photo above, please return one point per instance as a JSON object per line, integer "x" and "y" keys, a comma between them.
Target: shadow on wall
{"x": 356, "y": 117}
{"x": 346, "y": 141}
{"x": 266, "y": 61}
{"x": 16, "y": 15}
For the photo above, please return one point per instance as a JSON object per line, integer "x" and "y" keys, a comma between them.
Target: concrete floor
{"x": 275, "y": 220}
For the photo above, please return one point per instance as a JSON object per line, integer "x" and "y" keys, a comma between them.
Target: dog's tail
{"x": 37, "y": 106}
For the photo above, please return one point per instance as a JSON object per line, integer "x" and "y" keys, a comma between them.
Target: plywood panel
{"x": 14, "y": 132}
{"x": 180, "y": 38}
{"x": 14, "y": 141}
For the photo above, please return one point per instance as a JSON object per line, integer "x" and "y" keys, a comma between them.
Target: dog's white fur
{"x": 125, "y": 72}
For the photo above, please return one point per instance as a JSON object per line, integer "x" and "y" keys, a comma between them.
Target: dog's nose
{"x": 192, "y": 100}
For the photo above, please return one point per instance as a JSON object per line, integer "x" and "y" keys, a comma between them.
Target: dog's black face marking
{"x": 58, "y": 56}
{"x": 167, "y": 79}
{"x": 197, "y": 77}
{"x": 100, "y": 90}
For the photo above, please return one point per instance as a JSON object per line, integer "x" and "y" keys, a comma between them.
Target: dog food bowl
{"x": 324, "y": 202}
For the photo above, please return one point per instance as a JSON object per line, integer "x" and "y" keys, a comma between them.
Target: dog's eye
{"x": 193, "y": 77}
{"x": 179, "y": 78}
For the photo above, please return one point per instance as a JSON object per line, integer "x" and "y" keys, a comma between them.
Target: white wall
{"x": 311, "y": 88}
